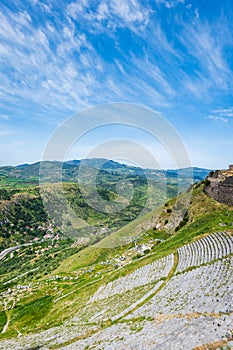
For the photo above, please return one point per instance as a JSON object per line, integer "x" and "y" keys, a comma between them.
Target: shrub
{"x": 207, "y": 182}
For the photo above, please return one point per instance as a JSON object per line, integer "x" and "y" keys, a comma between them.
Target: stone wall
{"x": 219, "y": 185}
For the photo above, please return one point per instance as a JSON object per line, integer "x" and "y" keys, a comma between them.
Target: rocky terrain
{"x": 219, "y": 185}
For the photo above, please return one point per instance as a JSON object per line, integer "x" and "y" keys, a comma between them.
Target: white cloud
{"x": 46, "y": 7}
{"x": 161, "y": 41}
{"x": 169, "y": 3}
{"x": 222, "y": 114}
{"x": 22, "y": 18}
{"x": 209, "y": 72}
{"x": 58, "y": 67}
{"x": 151, "y": 72}
{"x": 129, "y": 11}
{"x": 26, "y": 54}
{"x": 217, "y": 118}
{"x": 207, "y": 49}
{"x": 102, "y": 11}
{"x": 109, "y": 15}
{"x": 74, "y": 9}
{"x": 225, "y": 112}
{"x": 198, "y": 85}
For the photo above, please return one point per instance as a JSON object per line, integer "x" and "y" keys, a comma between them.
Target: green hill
{"x": 47, "y": 300}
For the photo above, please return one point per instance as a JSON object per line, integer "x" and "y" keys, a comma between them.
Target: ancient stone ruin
{"x": 219, "y": 185}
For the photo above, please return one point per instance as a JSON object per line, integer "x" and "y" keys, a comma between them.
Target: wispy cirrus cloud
{"x": 217, "y": 118}
{"x": 76, "y": 8}
{"x": 169, "y": 3}
{"x": 130, "y": 11}
{"x": 153, "y": 74}
{"x": 210, "y": 68}
{"x": 222, "y": 114}
{"x": 108, "y": 16}
{"x": 57, "y": 65}
{"x": 225, "y": 112}
{"x": 33, "y": 70}
{"x": 113, "y": 51}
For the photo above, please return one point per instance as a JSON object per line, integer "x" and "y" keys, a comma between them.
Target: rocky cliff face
{"x": 219, "y": 185}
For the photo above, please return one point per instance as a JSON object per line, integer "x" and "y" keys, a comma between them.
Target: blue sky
{"x": 173, "y": 56}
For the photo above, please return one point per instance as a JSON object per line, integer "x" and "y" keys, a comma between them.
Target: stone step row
{"x": 204, "y": 250}
{"x": 140, "y": 277}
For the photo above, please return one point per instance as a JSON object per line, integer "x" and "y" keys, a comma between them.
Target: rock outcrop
{"x": 219, "y": 185}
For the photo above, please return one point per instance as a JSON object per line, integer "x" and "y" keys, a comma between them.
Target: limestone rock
{"x": 219, "y": 185}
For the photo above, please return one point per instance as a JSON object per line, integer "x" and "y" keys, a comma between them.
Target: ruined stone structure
{"x": 219, "y": 185}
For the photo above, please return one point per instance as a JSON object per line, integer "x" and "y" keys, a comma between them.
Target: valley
{"x": 163, "y": 280}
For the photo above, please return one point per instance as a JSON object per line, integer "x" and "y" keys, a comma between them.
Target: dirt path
{"x": 8, "y": 315}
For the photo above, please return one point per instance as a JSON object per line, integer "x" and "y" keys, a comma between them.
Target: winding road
{"x": 11, "y": 249}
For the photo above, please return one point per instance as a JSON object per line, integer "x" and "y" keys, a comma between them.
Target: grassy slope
{"x": 204, "y": 216}
{"x": 109, "y": 245}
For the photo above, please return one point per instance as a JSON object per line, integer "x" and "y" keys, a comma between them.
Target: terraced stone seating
{"x": 190, "y": 308}
{"x": 212, "y": 247}
{"x": 171, "y": 333}
{"x": 145, "y": 275}
{"x": 206, "y": 289}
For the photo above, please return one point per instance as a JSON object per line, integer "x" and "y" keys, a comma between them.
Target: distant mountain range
{"x": 70, "y": 170}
